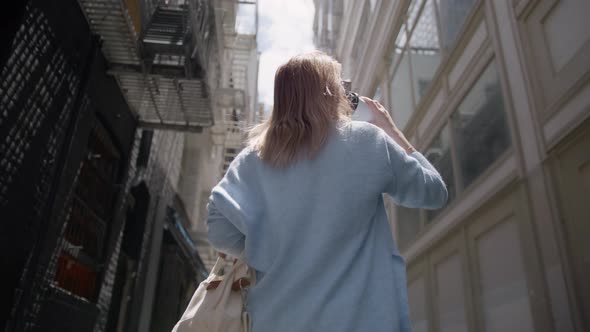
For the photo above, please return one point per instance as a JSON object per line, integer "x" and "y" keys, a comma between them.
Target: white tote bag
{"x": 220, "y": 309}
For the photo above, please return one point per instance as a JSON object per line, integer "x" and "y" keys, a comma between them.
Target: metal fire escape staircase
{"x": 235, "y": 118}
{"x": 159, "y": 53}
{"x": 240, "y": 52}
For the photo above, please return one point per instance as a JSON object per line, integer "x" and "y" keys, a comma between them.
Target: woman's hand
{"x": 383, "y": 120}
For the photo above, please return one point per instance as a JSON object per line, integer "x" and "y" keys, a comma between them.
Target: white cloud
{"x": 285, "y": 29}
{"x": 246, "y": 19}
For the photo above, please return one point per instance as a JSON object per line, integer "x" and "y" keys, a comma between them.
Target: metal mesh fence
{"x": 43, "y": 101}
{"x": 39, "y": 90}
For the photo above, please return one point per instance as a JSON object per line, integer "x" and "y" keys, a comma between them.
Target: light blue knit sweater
{"x": 317, "y": 232}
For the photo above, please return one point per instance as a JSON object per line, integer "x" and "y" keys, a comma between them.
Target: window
{"x": 82, "y": 257}
{"x": 378, "y": 95}
{"x": 439, "y": 155}
{"x": 424, "y": 50}
{"x": 372, "y": 4}
{"x": 419, "y": 61}
{"x": 400, "y": 43}
{"x": 452, "y": 15}
{"x": 413, "y": 11}
{"x": 409, "y": 221}
{"x": 429, "y": 36}
{"x": 474, "y": 137}
{"x": 401, "y": 93}
{"x": 479, "y": 126}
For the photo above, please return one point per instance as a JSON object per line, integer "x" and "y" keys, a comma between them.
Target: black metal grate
{"x": 39, "y": 86}
{"x": 81, "y": 251}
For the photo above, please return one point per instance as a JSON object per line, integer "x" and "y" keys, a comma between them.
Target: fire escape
{"x": 235, "y": 99}
{"x": 183, "y": 65}
{"x": 236, "y": 105}
{"x": 163, "y": 54}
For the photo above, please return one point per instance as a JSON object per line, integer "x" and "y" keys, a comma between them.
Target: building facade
{"x": 326, "y": 24}
{"x": 208, "y": 155}
{"x": 496, "y": 94}
{"x": 102, "y": 104}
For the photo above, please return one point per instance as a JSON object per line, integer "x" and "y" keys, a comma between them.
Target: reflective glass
{"x": 413, "y": 12}
{"x": 401, "y": 39}
{"x": 479, "y": 126}
{"x": 400, "y": 42}
{"x": 408, "y": 224}
{"x": 424, "y": 49}
{"x": 373, "y": 4}
{"x": 439, "y": 155}
{"x": 401, "y": 94}
{"x": 452, "y": 15}
{"x": 378, "y": 95}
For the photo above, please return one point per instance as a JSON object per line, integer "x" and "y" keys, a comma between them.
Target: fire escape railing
{"x": 160, "y": 58}
{"x": 241, "y": 52}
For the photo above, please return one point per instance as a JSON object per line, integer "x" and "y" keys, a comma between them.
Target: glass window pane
{"x": 439, "y": 155}
{"x": 413, "y": 10}
{"x": 504, "y": 291}
{"x": 479, "y": 126}
{"x": 400, "y": 43}
{"x": 401, "y": 94}
{"x": 451, "y": 297}
{"x": 408, "y": 224}
{"x": 452, "y": 15}
{"x": 373, "y": 4}
{"x": 417, "y": 303}
{"x": 424, "y": 49}
{"x": 378, "y": 95}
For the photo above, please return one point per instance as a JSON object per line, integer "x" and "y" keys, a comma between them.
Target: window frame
{"x": 390, "y": 82}
{"x": 453, "y": 103}
{"x": 446, "y": 125}
{"x": 435, "y": 77}
{"x": 447, "y": 56}
{"x": 452, "y": 47}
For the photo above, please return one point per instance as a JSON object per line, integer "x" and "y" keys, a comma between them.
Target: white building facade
{"x": 326, "y": 24}
{"x": 496, "y": 93}
{"x": 208, "y": 154}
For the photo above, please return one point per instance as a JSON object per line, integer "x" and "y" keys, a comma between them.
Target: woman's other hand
{"x": 383, "y": 120}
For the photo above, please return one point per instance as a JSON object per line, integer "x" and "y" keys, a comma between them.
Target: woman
{"x": 304, "y": 200}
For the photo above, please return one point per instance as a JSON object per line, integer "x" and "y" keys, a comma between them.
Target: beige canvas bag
{"x": 220, "y": 309}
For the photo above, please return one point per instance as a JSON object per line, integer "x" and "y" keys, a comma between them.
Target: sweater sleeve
{"x": 411, "y": 180}
{"x": 222, "y": 234}
{"x": 231, "y": 209}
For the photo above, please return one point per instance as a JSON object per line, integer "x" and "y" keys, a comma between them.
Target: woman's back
{"x": 317, "y": 232}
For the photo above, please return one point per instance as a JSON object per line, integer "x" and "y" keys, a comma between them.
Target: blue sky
{"x": 285, "y": 29}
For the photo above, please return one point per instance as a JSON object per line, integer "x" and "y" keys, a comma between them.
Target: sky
{"x": 285, "y": 29}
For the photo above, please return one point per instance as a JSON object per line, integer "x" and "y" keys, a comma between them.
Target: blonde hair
{"x": 308, "y": 99}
